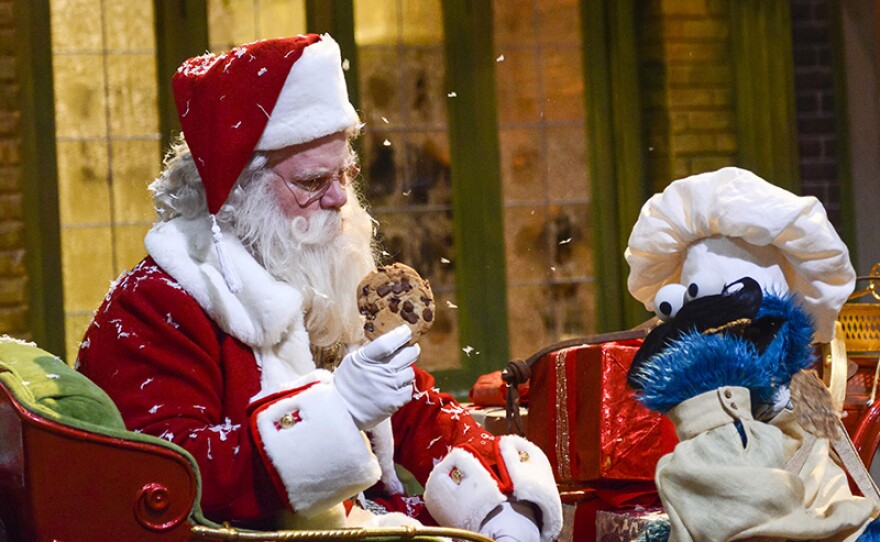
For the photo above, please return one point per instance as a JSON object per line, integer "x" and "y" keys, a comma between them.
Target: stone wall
{"x": 687, "y": 96}
{"x": 814, "y": 93}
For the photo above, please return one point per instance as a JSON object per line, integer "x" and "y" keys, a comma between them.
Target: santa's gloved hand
{"x": 512, "y": 521}
{"x": 376, "y": 379}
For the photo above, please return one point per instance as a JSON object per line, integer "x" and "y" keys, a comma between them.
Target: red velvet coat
{"x": 174, "y": 374}
{"x": 229, "y": 377}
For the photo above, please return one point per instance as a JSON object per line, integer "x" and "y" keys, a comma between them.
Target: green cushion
{"x": 47, "y": 386}
{"x": 43, "y": 382}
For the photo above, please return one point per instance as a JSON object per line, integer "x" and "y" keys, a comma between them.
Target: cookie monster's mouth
{"x": 733, "y": 312}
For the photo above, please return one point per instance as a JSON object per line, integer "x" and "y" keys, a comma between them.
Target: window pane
{"x": 107, "y": 139}
{"x": 405, "y": 152}
{"x": 234, "y": 22}
{"x": 548, "y": 239}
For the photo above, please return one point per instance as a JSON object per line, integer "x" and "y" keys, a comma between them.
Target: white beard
{"x": 324, "y": 257}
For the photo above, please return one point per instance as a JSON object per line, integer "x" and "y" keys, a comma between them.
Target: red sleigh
{"x": 65, "y": 479}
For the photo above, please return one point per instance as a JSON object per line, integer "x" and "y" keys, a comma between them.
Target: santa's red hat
{"x": 258, "y": 97}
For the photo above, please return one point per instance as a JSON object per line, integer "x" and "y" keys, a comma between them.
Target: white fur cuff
{"x": 532, "y": 479}
{"x": 311, "y": 443}
{"x": 460, "y": 492}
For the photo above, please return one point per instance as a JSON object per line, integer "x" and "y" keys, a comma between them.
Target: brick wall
{"x": 687, "y": 96}
{"x": 814, "y": 94}
{"x": 13, "y": 275}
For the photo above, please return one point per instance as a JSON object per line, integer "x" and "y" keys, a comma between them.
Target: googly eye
{"x": 703, "y": 284}
{"x": 668, "y": 301}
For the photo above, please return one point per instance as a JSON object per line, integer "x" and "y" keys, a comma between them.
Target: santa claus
{"x": 239, "y": 338}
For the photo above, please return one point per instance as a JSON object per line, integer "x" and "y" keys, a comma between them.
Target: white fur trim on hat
{"x": 313, "y": 102}
{"x": 737, "y": 204}
{"x": 322, "y": 458}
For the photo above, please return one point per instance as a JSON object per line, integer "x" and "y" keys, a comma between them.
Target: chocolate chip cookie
{"x": 392, "y": 295}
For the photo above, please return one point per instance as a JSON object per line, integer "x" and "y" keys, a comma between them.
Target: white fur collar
{"x": 260, "y": 315}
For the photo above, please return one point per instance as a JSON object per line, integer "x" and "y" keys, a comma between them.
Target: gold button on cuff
{"x": 287, "y": 421}
{"x": 456, "y": 475}
{"x": 523, "y": 456}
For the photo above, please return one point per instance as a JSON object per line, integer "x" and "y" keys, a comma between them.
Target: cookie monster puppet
{"x": 745, "y": 276}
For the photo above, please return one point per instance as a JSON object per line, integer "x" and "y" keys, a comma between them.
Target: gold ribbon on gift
{"x": 563, "y": 458}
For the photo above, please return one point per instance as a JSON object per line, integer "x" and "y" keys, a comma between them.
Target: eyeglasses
{"x": 314, "y": 188}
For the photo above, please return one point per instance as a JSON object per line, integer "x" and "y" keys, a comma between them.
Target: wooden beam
{"x": 615, "y": 152}
{"x": 764, "y": 89}
{"x": 39, "y": 173}
{"x": 480, "y": 275}
{"x": 336, "y": 17}
{"x": 181, "y": 33}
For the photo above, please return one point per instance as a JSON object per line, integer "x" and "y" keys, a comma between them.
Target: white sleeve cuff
{"x": 532, "y": 479}
{"x": 313, "y": 450}
{"x": 461, "y": 491}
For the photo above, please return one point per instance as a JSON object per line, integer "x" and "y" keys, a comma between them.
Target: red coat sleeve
{"x": 168, "y": 368}
{"x": 427, "y": 428}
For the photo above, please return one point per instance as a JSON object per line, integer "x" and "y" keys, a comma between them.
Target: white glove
{"x": 512, "y": 522}
{"x": 376, "y": 379}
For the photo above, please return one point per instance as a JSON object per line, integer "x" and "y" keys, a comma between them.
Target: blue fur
{"x": 871, "y": 533}
{"x": 790, "y": 351}
{"x": 697, "y": 363}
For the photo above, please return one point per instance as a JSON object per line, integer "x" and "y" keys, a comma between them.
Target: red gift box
{"x": 588, "y": 422}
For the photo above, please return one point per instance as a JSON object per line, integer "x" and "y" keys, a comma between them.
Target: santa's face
{"x": 311, "y": 176}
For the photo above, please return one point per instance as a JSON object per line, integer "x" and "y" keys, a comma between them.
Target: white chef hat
{"x": 732, "y": 222}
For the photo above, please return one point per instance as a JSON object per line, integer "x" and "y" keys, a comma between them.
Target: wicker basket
{"x": 861, "y": 320}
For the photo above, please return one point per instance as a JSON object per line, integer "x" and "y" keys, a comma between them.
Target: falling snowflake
{"x": 171, "y": 322}
{"x": 565, "y": 241}
{"x": 386, "y": 143}
{"x": 53, "y": 376}
{"x": 345, "y": 65}
{"x": 468, "y": 349}
{"x": 237, "y": 124}
{"x": 451, "y": 305}
{"x": 444, "y": 260}
{"x": 155, "y": 408}
{"x": 146, "y": 382}
{"x": 452, "y": 94}
{"x": 224, "y": 429}
{"x": 433, "y": 442}
{"x": 385, "y": 120}
{"x": 261, "y": 72}
{"x": 500, "y": 58}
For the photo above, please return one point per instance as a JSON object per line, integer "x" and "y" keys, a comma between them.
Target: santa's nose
{"x": 335, "y": 197}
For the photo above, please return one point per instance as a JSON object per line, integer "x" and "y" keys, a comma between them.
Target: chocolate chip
{"x": 383, "y": 290}
{"x": 368, "y": 327}
{"x": 396, "y": 287}
{"x": 410, "y": 317}
{"x": 408, "y": 306}
{"x": 393, "y": 304}
{"x": 374, "y": 310}
{"x": 365, "y": 291}
{"x": 427, "y": 315}
{"x": 405, "y": 284}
